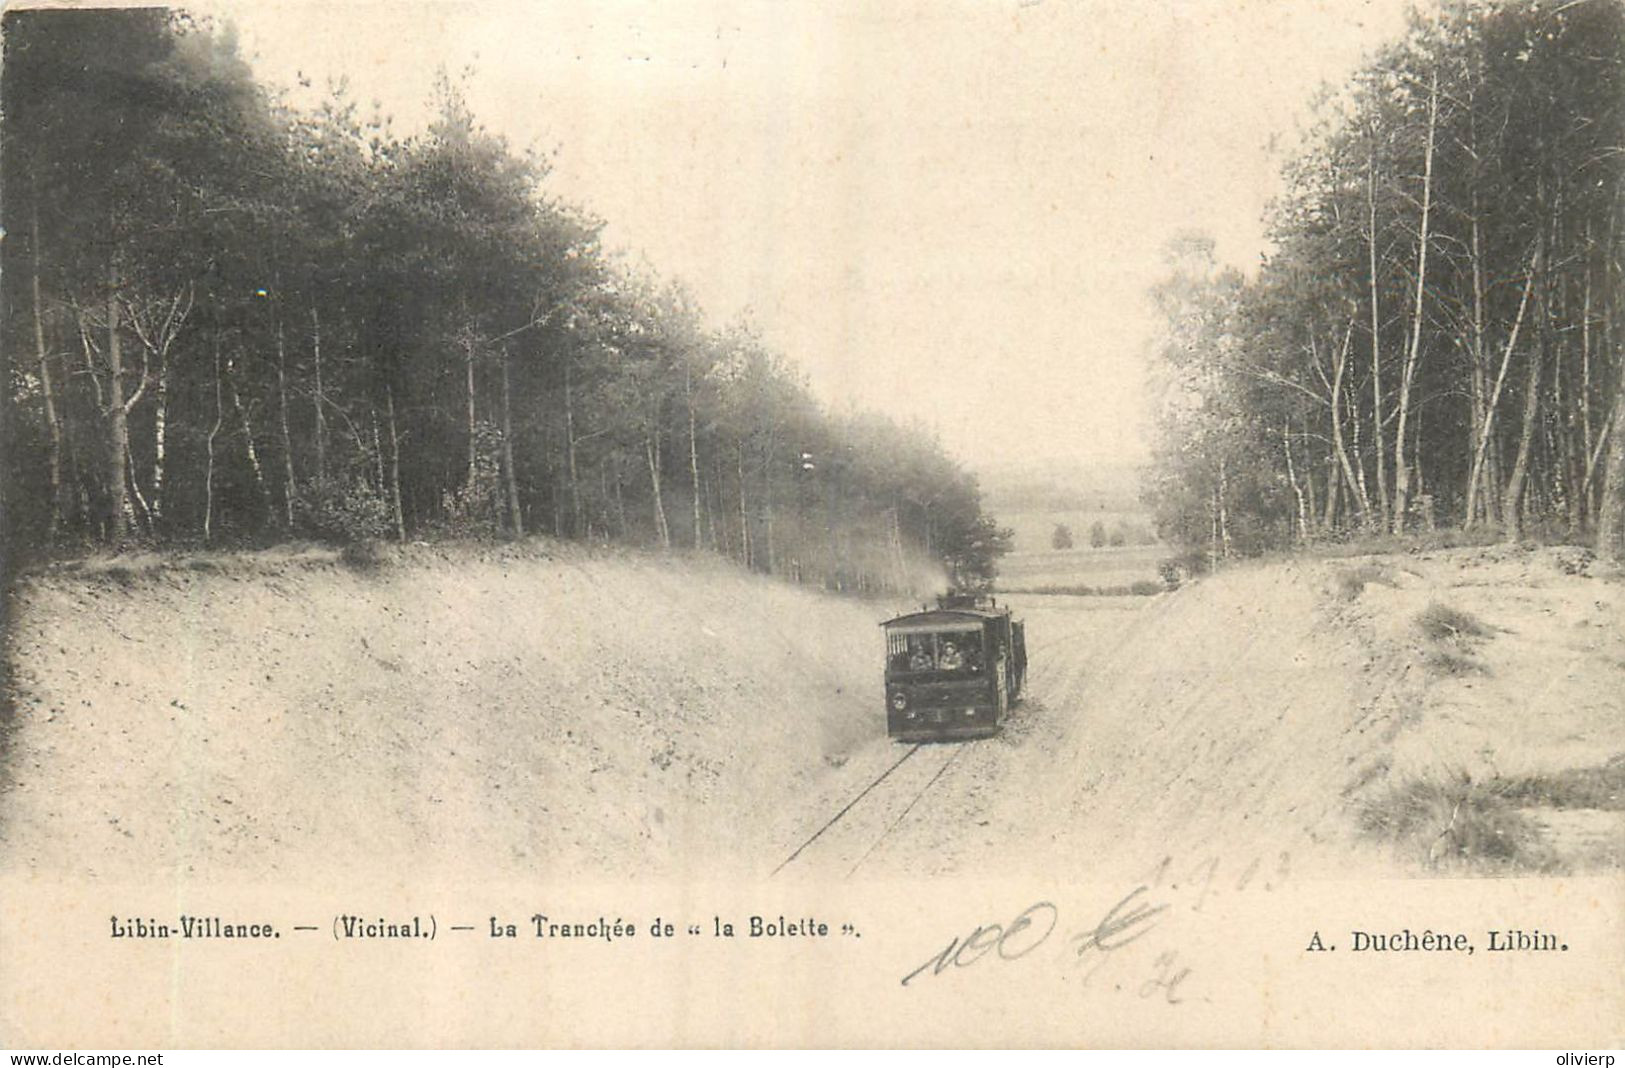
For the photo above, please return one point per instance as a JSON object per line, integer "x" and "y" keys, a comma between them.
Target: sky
{"x": 947, "y": 211}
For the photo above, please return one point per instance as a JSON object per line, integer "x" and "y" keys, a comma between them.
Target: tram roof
{"x": 947, "y": 615}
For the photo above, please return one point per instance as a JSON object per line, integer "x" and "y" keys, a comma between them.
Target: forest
{"x": 1434, "y": 342}
{"x": 232, "y": 322}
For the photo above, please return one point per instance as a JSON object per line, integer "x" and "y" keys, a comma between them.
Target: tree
{"x": 244, "y": 322}
{"x": 1440, "y": 309}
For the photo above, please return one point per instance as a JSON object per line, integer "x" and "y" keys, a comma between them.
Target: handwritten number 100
{"x": 1020, "y": 937}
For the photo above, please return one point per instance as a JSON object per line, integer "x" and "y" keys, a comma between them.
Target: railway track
{"x": 847, "y": 839}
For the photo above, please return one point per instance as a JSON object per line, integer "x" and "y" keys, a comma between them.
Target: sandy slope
{"x": 544, "y": 711}
{"x": 1248, "y": 721}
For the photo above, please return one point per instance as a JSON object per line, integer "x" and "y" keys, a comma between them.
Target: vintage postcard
{"x": 727, "y": 524}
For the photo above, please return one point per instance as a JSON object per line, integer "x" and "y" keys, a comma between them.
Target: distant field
{"x": 1034, "y": 529}
{"x": 1081, "y": 567}
{"x": 1032, "y": 563}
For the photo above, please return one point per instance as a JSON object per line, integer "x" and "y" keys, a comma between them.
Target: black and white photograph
{"x": 992, "y": 523}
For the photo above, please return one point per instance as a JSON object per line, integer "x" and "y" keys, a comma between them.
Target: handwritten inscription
{"x": 1124, "y": 923}
{"x": 1012, "y": 941}
{"x": 1108, "y": 933}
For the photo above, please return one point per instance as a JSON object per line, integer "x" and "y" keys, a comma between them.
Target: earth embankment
{"x": 542, "y": 711}
{"x": 536, "y": 710}
{"x": 1451, "y": 712}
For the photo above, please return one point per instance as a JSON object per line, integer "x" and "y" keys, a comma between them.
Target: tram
{"x": 953, "y": 671}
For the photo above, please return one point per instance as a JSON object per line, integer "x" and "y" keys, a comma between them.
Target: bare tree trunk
{"x": 1224, "y": 509}
{"x": 555, "y": 497}
{"x": 1611, "y": 516}
{"x": 118, "y": 427}
{"x": 603, "y": 495}
{"x": 1292, "y": 477}
{"x": 570, "y": 453}
{"x": 1422, "y": 498}
{"x": 135, "y": 491}
{"x": 509, "y": 475}
{"x": 208, "y": 445}
{"x": 473, "y": 436}
{"x": 254, "y": 465}
{"x": 103, "y": 524}
{"x": 767, "y": 506}
{"x": 1311, "y": 489}
{"x": 320, "y": 398}
{"x": 1569, "y": 455}
{"x": 288, "y": 492}
{"x": 52, "y": 424}
{"x": 1562, "y": 472}
{"x": 651, "y": 450}
{"x": 1338, "y": 369}
{"x": 1402, "y": 471}
{"x": 1475, "y": 476}
{"x": 156, "y": 337}
{"x": 1480, "y": 375}
{"x": 160, "y": 421}
{"x": 721, "y": 538}
{"x": 620, "y": 498}
{"x": 1512, "y": 502}
{"x": 744, "y": 512}
{"x": 1334, "y": 494}
{"x": 1358, "y": 457}
{"x": 693, "y": 453}
{"x": 1376, "y": 333}
{"x": 711, "y": 516}
{"x": 377, "y": 453}
{"x": 91, "y": 370}
{"x": 1213, "y": 533}
{"x": 395, "y": 465}
{"x": 1588, "y": 483}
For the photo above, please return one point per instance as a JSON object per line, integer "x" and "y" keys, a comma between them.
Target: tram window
{"x": 955, "y": 652}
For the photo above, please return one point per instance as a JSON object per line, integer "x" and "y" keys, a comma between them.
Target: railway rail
{"x": 847, "y": 839}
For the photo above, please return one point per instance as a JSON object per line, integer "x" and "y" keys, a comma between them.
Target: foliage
{"x": 227, "y": 317}
{"x": 1062, "y": 538}
{"x": 474, "y": 509}
{"x": 1436, "y": 336}
{"x": 341, "y": 511}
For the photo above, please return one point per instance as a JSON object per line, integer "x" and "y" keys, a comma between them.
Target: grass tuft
{"x": 1595, "y": 788}
{"x": 1451, "y": 635}
{"x": 120, "y": 575}
{"x": 1351, "y": 582}
{"x": 1456, "y": 823}
{"x": 364, "y": 557}
{"x": 1453, "y": 662}
{"x": 1440, "y": 622}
